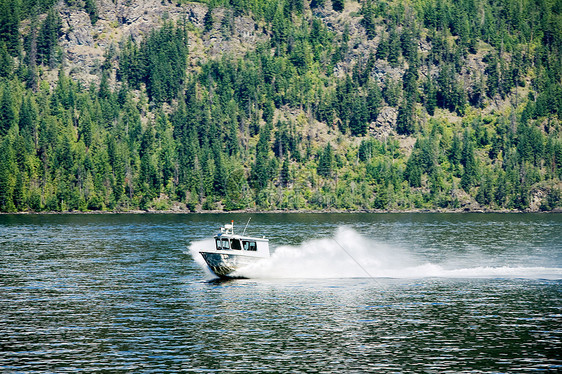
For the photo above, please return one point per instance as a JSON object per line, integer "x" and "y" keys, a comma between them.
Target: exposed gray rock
{"x": 77, "y": 28}
{"x": 84, "y": 44}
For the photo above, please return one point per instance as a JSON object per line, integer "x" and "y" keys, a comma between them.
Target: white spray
{"x": 351, "y": 255}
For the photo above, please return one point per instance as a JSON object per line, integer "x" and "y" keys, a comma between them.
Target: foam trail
{"x": 324, "y": 258}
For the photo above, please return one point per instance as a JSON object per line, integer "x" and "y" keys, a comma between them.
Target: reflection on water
{"x": 118, "y": 293}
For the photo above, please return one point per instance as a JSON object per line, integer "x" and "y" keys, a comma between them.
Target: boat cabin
{"x": 227, "y": 240}
{"x": 235, "y": 243}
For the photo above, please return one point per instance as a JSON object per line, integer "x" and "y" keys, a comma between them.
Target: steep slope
{"x": 283, "y": 104}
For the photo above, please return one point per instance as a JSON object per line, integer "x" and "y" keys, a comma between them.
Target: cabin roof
{"x": 240, "y": 237}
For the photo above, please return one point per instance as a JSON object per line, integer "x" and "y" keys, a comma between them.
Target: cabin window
{"x": 235, "y": 244}
{"x": 249, "y": 245}
{"x": 225, "y": 244}
{"x": 218, "y": 243}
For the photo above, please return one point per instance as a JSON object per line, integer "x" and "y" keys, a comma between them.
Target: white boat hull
{"x": 226, "y": 263}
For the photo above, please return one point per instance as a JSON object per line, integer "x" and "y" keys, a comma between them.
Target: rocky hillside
{"x": 85, "y": 45}
{"x": 281, "y": 104}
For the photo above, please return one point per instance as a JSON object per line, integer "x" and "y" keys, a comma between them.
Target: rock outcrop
{"x": 85, "y": 44}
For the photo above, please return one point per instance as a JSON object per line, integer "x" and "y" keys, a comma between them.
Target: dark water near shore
{"x": 432, "y": 293}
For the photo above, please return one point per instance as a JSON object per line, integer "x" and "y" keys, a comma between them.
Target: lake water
{"x": 346, "y": 293}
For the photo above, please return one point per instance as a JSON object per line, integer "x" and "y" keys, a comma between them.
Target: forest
{"x": 294, "y": 123}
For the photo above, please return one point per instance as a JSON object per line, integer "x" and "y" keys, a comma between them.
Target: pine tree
{"x": 359, "y": 116}
{"x": 469, "y": 162}
{"x": 8, "y": 176}
{"x": 413, "y": 171}
{"x": 326, "y": 161}
{"x": 405, "y": 121}
{"x": 485, "y": 193}
{"x": 92, "y": 10}
{"x": 373, "y": 101}
{"x": 338, "y": 5}
{"x": 208, "y": 20}
{"x": 409, "y": 46}
{"x": 394, "y": 47}
{"x": 383, "y": 47}
{"x": 9, "y": 24}
{"x": 430, "y": 96}
{"x": 6, "y": 61}
{"x": 410, "y": 83}
{"x": 392, "y": 92}
{"x": 220, "y": 176}
{"x": 317, "y": 3}
{"x": 7, "y": 111}
{"x": 260, "y": 170}
{"x": 86, "y": 128}
{"x": 25, "y": 120}
{"x": 235, "y": 186}
{"x": 284, "y": 174}
{"x": 368, "y": 21}
{"x": 47, "y": 39}
{"x": 493, "y": 77}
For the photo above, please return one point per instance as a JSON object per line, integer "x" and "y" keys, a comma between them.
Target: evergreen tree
{"x": 220, "y": 176}
{"x": 284, "y": 174}
{"x": 86, "y": 128}
{"x": 413, "y": 171}
{"x": 485, "y": 192}
{"x": 325, "y": 161}
{"x": 47, "y": 39}
{"x": 410, "y": 85}
{"x": 6, "y": 61}
{"x": 359, "y": 116}
{"x": 373, "y": 101}
{"x": 235, "y": 184}
{"x": 7, "y": 111}
{"x": 208, "y": 19}
{"x": 27, "y": 118}
{"x": 317, "y": 3}
{"x": 405, "y": 121}
{"x": 394, "y": 47}
{"x": 368, "y": 21}
{"x": 392, "y": 92}
{"x": 260, "y": 170}
{"x": 492, "y": 82}
{"x": 409, "y": 46}
{"x": 9, "y": 24}
{"x": 430, "y": 94}
{"x": 383, "y": 47}
{"x": 8, "y": 176}
{"x": 338, "y": 5}
{"x": 92, "y": 10}
{"x": 469, "y": 162}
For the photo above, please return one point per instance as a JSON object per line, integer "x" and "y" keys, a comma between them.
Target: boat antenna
{"x": 244, "y": 233}
{"x": 353, "y": 258}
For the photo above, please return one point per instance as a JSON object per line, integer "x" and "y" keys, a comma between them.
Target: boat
{"x": 233, "y": 252}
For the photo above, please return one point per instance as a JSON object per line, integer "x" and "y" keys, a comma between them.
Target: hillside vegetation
{"x": 347, "y": 105}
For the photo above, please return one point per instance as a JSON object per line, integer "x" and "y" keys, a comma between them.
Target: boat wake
{"x": 350, "y": 255}
{"x": 194, "y": 249}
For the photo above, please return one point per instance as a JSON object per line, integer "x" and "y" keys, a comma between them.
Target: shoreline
{"x": 303, "y": 211}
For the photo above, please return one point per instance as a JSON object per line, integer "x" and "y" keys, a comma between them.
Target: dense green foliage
{"x": 224, "y": 135}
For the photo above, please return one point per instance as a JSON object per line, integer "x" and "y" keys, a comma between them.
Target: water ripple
{"x": 119, "y": 294}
